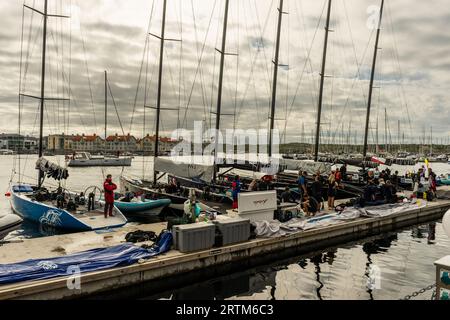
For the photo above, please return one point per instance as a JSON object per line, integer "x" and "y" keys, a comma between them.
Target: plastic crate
{"x": 233, "y": 230}
{"x": 194, "y": 237}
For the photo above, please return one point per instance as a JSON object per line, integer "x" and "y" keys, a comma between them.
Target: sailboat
{"x": 85, "y": 159}
{"x": 59, "y": 209}
{"x": 182, "y": 177}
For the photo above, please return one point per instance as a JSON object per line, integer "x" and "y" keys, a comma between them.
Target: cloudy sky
{"x": 412, "y": 78}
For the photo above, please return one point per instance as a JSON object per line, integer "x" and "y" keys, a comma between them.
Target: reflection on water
{"x": 385, "y": 267}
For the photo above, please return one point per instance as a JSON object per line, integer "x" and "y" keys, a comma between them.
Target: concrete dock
{"x": 175, "y": 263}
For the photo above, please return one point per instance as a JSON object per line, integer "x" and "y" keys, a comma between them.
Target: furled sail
{"x": 304, "y": 165}
{"x": 185, "y": 170}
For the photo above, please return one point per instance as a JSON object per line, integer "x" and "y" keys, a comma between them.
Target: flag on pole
{"x": 378, "y": 160}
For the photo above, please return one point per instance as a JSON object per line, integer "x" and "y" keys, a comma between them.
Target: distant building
{"x": 18, "y": 142}
{"x": 147, "y": 144}
{"x": 59, "y": 142}
{"x": 32, "y": 143}
{"x": 118, "y": 143}
{"x": 88, "y": 143}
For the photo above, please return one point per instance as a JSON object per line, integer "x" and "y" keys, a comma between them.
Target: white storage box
{"x": 257, "y": 206}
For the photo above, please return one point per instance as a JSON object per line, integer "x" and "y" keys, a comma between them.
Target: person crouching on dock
{"x": 109, "y": 188}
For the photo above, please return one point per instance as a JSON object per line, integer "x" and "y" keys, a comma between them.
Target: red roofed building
{"x": 147, "y": 144}
{"x": 120, "y": 143}
{"x": 87, "y": 143}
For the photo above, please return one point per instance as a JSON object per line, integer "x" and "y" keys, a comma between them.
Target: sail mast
{"x": 275, "y": 77}
{"x": 220, "y": 87}
{"x": 41, "y": 119}
{"x": 372, "y": 76}
{"x": 106, "y": 106}
{"x": 322, "y": 79}
{"x": 158, "y": 103}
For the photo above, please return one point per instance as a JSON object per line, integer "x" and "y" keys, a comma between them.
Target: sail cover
{"x": 86, "y": 261}
{"x": 304, "y": 165}
{"x": 185, "y": 170}
{"x": 52, "y": 170}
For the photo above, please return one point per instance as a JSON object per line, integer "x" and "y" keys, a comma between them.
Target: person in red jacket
{"x": 109, "y": 188}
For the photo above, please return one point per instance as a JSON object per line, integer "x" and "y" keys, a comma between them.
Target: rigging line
{"x": 250, "y": 80}
{"x": 287, "y": 76}
{"x": 203, "y": 91}
{"x": 237, "y": 69}
{"x": 180, "y": 71}
{"x": 67, "y": 115}
{"x": 398, "y": 63}
{"x": 254, "y": 59}
{"x": 20, "y": 90}
{"x": 214, "y": 66}
{"x": 262, "y": 31}
{"x": 83, "y": 42}
{"x": 353, "y": 45}
{"x": 356, "y": 77}
{"x": 199, "y": 63}
{"x": 346, "y": 65}
{"x": 32, "y": 133}
{"x": 354, "y": 54}
{"x": 145, "y": 113}
{"x": 142, "y": 64}
{"x": 307, "y": 60}
{"x": 172, "y": 82}
{"x": 115, "y": 107}
{"x": 29, "y": 53}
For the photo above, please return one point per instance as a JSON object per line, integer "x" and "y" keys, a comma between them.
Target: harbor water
{"x": 387, "y": 267}
{"x": 390, "y": 266}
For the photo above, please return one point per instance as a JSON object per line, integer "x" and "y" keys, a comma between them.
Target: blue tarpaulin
{"x": 86, "y": 261}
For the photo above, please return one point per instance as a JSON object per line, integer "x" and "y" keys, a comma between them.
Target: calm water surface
{"x": 403, "y": 260}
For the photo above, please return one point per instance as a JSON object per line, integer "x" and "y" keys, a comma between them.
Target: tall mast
{"x": 431, "y": 141}
{"x": 219, "y": 90}
{"x": 377, "y": 148}
{"x": 275, "y": 77}
{"x": 322, "y": 79}
{"x": 158, "y": 103}
{"x": 385, "y": 131}
{"x": 106, "y": 105}
{"x": 41, "y": 119}
{"x": 372, "y": 76}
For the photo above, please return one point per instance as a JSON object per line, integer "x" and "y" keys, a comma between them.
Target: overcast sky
{"x": 412, "y": 74}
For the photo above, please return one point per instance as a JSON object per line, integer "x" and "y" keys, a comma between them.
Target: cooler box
{"x": 194, "y": 237}
{"x": 233, "y": 230}
{"x": 257, "y": 206}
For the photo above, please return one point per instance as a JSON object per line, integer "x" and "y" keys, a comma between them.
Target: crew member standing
{"x": 236, "y": 188}
{"x": 109, "y": 188}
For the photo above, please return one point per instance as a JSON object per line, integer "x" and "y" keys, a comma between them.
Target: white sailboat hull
{"x": 103, "y": 162}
